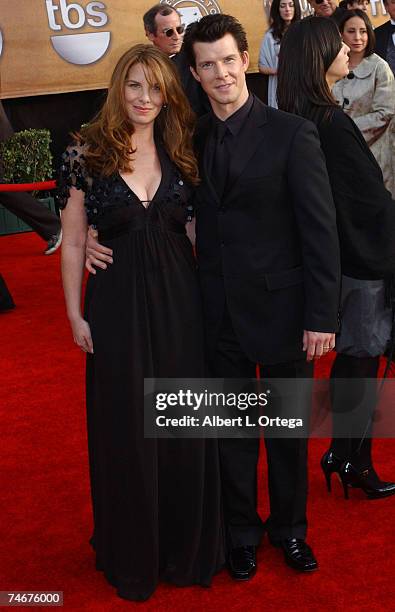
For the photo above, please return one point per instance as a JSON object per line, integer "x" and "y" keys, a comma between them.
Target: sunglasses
{"x": 170, "y": 31}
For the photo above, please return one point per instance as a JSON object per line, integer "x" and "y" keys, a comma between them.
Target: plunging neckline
{"x": 149, "y": 202}
{"x": 141, "y": 202}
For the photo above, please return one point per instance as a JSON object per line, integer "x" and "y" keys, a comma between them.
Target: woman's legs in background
{"x": 353, "y": 398}
{"x": 346, "y": 395}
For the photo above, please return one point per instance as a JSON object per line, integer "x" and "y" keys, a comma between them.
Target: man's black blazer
{"x": 382, "y": 34}
{"x": 193, "y": 90}
{"x": 269, "y": 248}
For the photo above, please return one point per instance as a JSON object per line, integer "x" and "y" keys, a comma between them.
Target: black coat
{"x": 269, "y": 248}
{"x": 193, "y": 91}
{"x": 365, "y": 209}
{"x": 382, "y": 34}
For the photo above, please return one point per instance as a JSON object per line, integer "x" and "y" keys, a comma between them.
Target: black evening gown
{"x": 156, "y": 503}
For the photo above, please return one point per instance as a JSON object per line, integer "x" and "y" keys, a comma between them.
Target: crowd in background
{"x": 367, "y": 93}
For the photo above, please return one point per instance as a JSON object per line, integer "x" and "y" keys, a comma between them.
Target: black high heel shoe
{"x": 330, "y": 464}
{"x": 367, "y": 480}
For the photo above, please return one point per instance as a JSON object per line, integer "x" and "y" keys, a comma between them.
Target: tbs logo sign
{"x": 76, "y": 48}
{"x": 193, "y": 10}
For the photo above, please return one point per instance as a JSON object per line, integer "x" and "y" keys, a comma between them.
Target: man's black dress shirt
{"x": 223, "y": 142}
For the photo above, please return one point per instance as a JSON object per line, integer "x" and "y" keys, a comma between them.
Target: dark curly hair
{"x": 210, "y": 29}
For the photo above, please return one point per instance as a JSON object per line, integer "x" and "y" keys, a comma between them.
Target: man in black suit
{"x": 269, "y": 266}
{"x": 385, "y": 36}
{"x": 164, "y": 29}
{"x": 268, "y": 258}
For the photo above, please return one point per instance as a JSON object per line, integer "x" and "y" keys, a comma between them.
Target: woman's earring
{"x": 164, "y": 106}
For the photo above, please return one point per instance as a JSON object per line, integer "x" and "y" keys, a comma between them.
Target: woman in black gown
{"x": 156, "y": 503}
{"x": 312, "y": 58}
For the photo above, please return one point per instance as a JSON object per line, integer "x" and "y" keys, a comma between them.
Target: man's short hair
{"x": 158, "y": 9}
{"x": 210, "y": 29}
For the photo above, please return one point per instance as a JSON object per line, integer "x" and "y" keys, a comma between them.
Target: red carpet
{"x": 45, "y": 505}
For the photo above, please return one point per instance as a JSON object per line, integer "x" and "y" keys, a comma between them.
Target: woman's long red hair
{"x": 108, "y": 135}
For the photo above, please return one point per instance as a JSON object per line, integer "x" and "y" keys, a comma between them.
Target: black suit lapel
{"x": 382, "y": 39}
{"x": 248, "y": 141}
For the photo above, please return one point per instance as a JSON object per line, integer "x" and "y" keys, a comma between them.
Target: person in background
{"x": 43, "y": 221}
{"x": 6, "y": 301}
{"x": 385, "y": 36}
{"x": 348, "y": 5}
{"x": 367, "y": 93}
{"x": 282, "y": 14}
{"x": 325, "y": 8}
{"x": 312, "y": 58}
{"x": 163, "y": 27}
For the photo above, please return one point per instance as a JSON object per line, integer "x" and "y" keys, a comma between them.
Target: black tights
{"x": 345, "y": 397}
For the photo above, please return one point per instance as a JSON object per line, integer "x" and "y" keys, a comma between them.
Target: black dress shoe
{"x": 298, "y": 554}
{"x": 242, "y": 562}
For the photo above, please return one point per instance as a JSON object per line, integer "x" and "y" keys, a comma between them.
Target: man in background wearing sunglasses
{"x": 324, "y": 8}
{"x": 164, "y": 29}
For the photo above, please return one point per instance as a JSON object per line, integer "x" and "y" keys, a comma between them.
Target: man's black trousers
{"x": 286, "y": 457}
